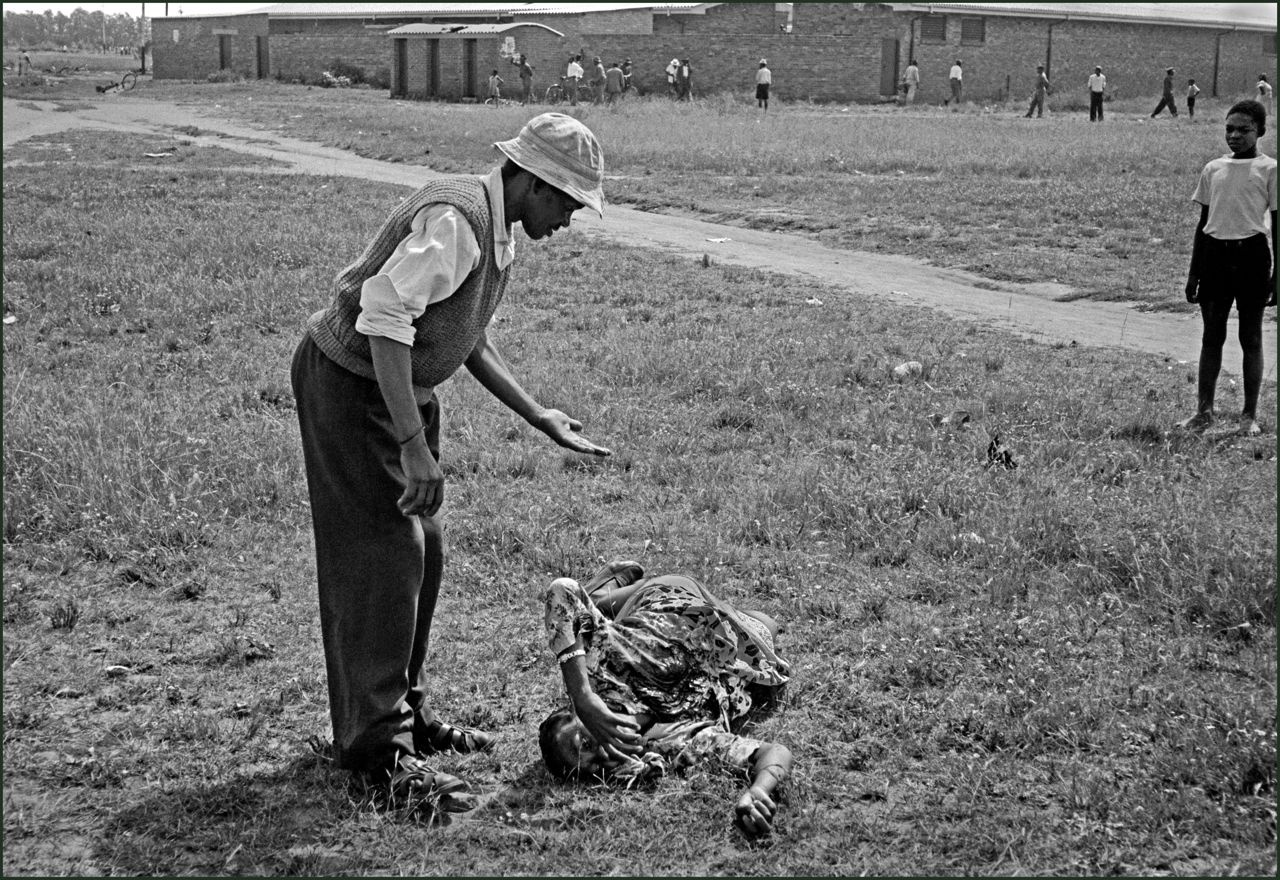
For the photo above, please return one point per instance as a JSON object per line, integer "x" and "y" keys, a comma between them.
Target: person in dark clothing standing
{"x": 1166, "y": 97}
{"x": 411, "y": 310}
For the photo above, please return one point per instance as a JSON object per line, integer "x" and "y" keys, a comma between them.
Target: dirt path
{"x": 1027, "y": 310}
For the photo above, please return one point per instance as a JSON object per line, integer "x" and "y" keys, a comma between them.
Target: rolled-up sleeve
{"x": 431, "y": 262}
{"x": 569, "y": 611}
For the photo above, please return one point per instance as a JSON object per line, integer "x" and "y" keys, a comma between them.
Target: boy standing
{"x": 764, "y": 79}
{"x": 1042, "y": 88}
{"x": 495, "y": 87}
{"x": 411, "y": 309}
{"x": 955, "y": 79}
{"x": 910, "y": 82}
{"x": 1192, "y": 91}
{"x": 1230, "y": 260}
{"x": 1097, "y": 87}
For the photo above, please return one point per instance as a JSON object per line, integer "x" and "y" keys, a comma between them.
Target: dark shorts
{"x": 762, "y": 91}
{"x": 1236, "y": 270}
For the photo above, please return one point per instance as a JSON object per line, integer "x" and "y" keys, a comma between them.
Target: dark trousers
{"x": 1165, "y": 101}
{"x": 571, "y": 89}
{"x": 526, "y": 91}
{"x": 1191, "y": 108}
{"x": 1095, "y": 106}
{"x": 378, "y": 570}
{"x": 1037, "y": 105}
{"x": 1239, "y": 272}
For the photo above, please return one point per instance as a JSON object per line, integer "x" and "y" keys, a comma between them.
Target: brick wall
{"x": 833, "y": 52}
{"x": 304, "y": 56}
{"x": 1133, "y": 57}
{"x": 727, "y": 18}
{"x": 197, "y": 52}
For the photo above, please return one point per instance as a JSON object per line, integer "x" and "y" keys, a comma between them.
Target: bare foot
{"x": 1249, "y": 426}
{"x": 1198, "y": 422}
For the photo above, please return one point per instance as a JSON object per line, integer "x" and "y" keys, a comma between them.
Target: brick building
{"x": 818, "y": 51}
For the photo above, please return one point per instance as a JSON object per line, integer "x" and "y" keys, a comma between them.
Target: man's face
{"x": 1242, "y": 134}
{"x": 546, "y": 210}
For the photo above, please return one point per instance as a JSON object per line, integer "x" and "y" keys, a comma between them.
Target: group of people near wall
{"x": 909, "y": 84}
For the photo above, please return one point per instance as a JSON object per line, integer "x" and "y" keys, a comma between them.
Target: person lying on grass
{"x": 661, "y": 675}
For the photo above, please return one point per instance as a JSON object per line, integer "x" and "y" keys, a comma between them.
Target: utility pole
{"x": 142, "y": 40}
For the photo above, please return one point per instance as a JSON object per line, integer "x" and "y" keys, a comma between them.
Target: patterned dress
{"x": 674, "y": 653}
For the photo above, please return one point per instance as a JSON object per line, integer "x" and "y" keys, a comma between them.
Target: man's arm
{"x": 486, "y": 363}
{"x": 1193, "y": 274}
{"x": 425, "y": 491}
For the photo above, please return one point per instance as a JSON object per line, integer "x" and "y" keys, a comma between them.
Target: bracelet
{"x": 569, "y": 655}
{"x": 778, "y": 774}
{"x": 420, "y": 429}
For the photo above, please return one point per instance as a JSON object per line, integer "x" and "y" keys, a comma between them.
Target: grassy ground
{"x": 1104, "y": 209}
{"x": 1063, "y": 668}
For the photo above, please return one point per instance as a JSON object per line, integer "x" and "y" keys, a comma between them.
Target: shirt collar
{"x": 504, "y": 240}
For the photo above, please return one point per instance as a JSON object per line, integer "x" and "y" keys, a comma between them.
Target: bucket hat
{"x": 563, "y": 152}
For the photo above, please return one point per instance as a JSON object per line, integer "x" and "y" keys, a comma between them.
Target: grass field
{"x": 1104, "y": 209}
{"x": 1064, "y": 668}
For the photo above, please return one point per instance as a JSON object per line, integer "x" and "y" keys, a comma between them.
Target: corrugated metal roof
{"x": 1254, "y": 16}
{"x": 400, "y": 10}
{"x": 463, "y": 29}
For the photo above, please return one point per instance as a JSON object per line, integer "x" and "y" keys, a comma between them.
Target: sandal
{"x": 437, "y": 736}
{"x": 613, "y": 576}
{"x": 419, "y": 787}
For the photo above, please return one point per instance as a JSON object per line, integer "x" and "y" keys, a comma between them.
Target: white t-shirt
{"x": 1264, "y": 90}
{"x": 1097, "y": 83}
{"x": 574, "y": 71}
{"x": 957, "y": 72}
{"x": 764, "y": 76}
{"x": 1240, "y": 193}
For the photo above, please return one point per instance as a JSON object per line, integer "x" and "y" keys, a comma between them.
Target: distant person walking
{"x": 526, "y": 77}
{"x": 1097, "y": 87}
{"x": 1166, "y": 96}
{"x": 1265, "y": 93}
{"x": 573, "y": 76}
{"x": 956, "y": 80}
{"x": 1192, "y": 91}
{"x": 24, "y": 63}
{"x": 1230, "y": 259}
{"x": 1037, "y": 98}
{"x": 615, "y": 83}
{"x": 910, "y": 82}
{"x": 764, "y": 79}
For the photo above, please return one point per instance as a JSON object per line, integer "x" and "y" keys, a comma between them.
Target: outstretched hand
{"x": 564, "y": 431}
{"x": 753, "y": 813}
{"x": 619, "y": 735}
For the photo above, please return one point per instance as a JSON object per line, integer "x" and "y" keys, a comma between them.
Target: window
{"x": 973, "y": 31}
{"x": 933, "y": 28}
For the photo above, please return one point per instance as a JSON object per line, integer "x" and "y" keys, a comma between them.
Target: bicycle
{"x": 500, "y": 102}
{"x": 555, "y": 94}
{"x": 127, "y": 82}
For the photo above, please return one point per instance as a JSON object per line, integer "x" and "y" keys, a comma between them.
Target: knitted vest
{"x": 448, "y": 330}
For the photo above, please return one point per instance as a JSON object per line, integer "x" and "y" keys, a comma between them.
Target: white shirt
{"x": 574, "y": 71}
{"x": 1097, "y": 83}
{"x": 1239, "y": 193}
{"x": 1264, "y": 89}
{"x": 957, "y": 72}
{"x": 431, "y": 263}
{"x": 764, "y": 76}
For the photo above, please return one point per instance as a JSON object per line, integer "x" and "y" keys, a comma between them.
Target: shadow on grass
{"x": 278, "y": 821}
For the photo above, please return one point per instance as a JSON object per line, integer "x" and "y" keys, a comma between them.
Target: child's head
{"x": 1191, "y": 82}
{"x": 495, "y": 72}
{"x": 1262, "y": 77}
{"x": 1246, "y": 122}
{"x": 1097, "y": 70}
